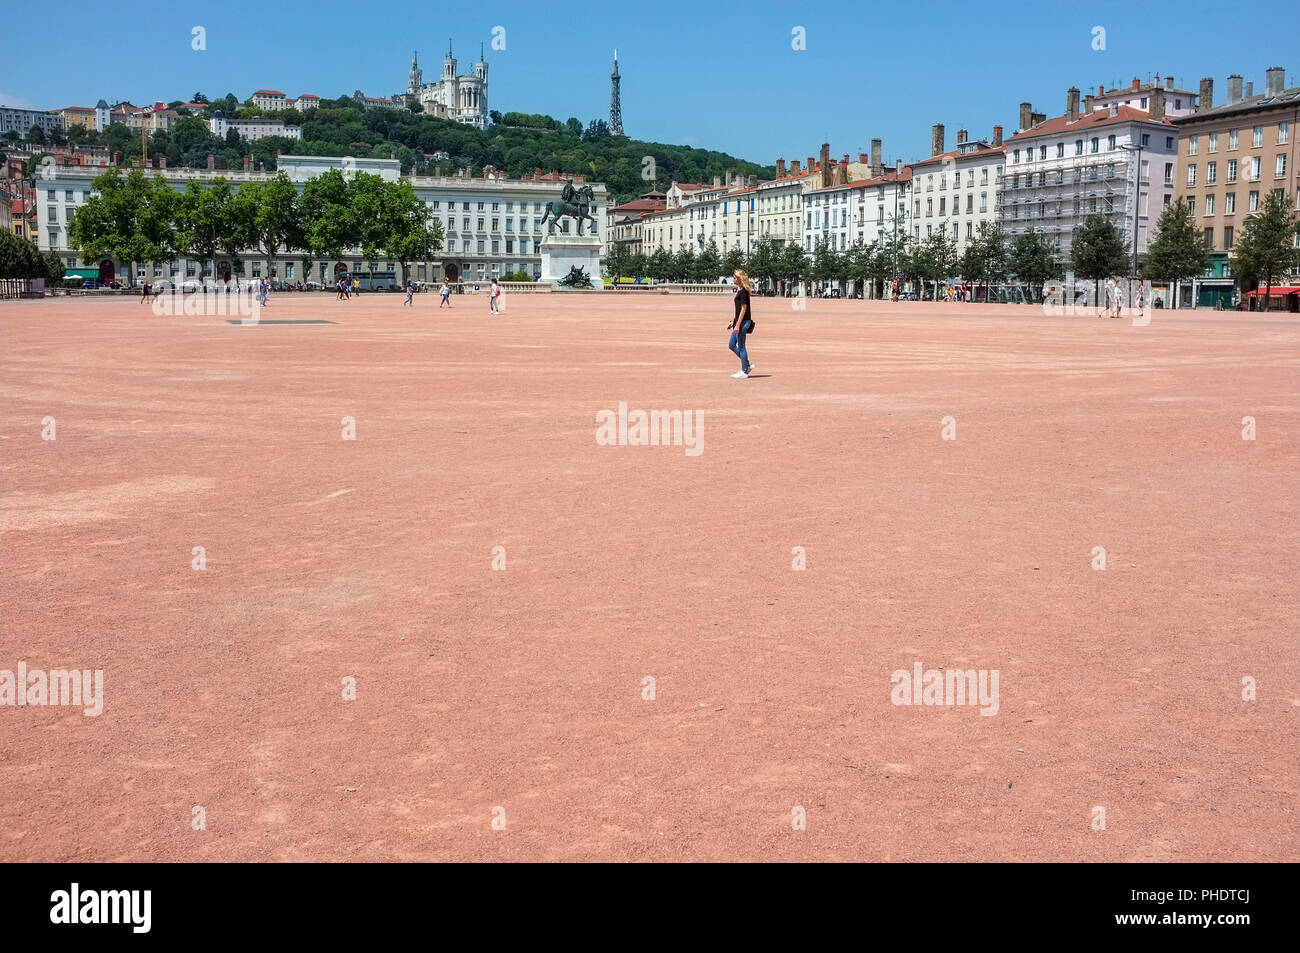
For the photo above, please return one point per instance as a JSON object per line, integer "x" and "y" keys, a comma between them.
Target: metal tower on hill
{"x": 615, "y": 108}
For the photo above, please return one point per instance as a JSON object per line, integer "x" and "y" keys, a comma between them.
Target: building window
{"x": 1211, "y": 172}
{"x": 1230, "y": 203}
{"x": 1209, "y": 238}
{"x": 1256, "y": 167}
{"x": 1232, "y": 170}
{"x": 1191, "y": 174}
{"x": 1257, "y": 137}
{"x": 1232, "y": 139}
{"x": 1146, "y": 140}
{"x": 1094, "y": 144}
{"x": 1283, "y": 133}
{"x": 1169, "y": 173}
{"x": 1214, "y": 142}
{"x": 1253, "y": 205}
{"x": 1281, "y": 165}
{"x": 1191, "y": 145}
{"x": 1227, "y": 238}
{"x": 1209, "y": 204}
{"x": 1110, "y": 143}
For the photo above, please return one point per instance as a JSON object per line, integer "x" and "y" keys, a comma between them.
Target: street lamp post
{"x": 1137, "y": 207}
{"x": 898, "y": 199}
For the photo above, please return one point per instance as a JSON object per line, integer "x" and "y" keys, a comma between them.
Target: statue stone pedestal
{"x": 562, "y": 252}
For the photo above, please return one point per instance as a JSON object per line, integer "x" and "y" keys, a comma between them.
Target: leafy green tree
{"x": 708, "y": 263}
{"x": 733, "y": 261}
{"x": 616, "y": 260}
{"x": 19, "y": 257}
{"x": 794, "y": 264}
{"x": 987, "y": 255}
{"x": 1267, "y": 249}
{"x": 53, "y": 269}
{"x": 409, "y": 232}
{"x": 683, "y": 264}
{"x": 1033, "y": 259}
{"x": 660, "y": 265}
{"x": 1099, "y": 251}
{"x": 329, "y": 227}
{"x": 129, "y": 217}
{"x": 268, "y": 213}
{"x": 204, "y": 219}
{"x": 1176, "y": 250}
{"x": 764, "y": 261}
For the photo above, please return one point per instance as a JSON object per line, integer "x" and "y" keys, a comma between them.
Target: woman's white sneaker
{"x": 739, "y": 375}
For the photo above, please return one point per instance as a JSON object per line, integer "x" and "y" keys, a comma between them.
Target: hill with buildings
{"x": 511, "y": 145}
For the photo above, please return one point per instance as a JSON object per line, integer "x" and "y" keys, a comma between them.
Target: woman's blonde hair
{"x": 742, "y": 279}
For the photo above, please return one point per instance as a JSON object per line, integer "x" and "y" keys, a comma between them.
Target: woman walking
{"x": 445, "y": 292}
{"x": 741, "y": 324}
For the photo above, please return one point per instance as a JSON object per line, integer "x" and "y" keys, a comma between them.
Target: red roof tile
{"x": 1093, "y": 120}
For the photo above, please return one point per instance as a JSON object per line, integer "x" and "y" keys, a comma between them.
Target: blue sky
{"x": 715, "y": 75}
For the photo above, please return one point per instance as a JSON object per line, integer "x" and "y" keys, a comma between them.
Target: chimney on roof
{"x": 752, "y": 181}
{"x": 961, "y": 136}
{"x": 811, "y": 164}
{"x": 1072, "y": 105}
{"x": 1136, "y": 84}
{"x": 717, "y": 181}
{"x": 1101, "y": 90}
{"x": 1250, "y": 88}
{"x": 1169, "y": 82}
{"x": 845, "y": 161}
{"x": 936, "y": 139}
{"x": 1206, "y": 99}
{"x": 1157, "y": 104}
{"x": 825, "y": 164}
{"x": 1087, "y": 104}
{"x": 1275, "y": 80}
{"x": 1114, "y": 110}
{"x": 997, "y": 137}
{"x": 1026, "y": 116}
{"x": 780, "y": 168}
{"x": 794, "y": 167}
{"x": 876, "y": 167}
{"x": 1234, "y": 89}
{"x": 212, "y": 163}
{"x": 864, "y": 159}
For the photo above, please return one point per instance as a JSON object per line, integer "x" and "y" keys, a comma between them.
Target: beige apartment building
{"x": 1231, "y": 157}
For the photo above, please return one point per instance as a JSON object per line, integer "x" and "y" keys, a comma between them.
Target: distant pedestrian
{"x": 144, "y": 292}
{"x": 356, "y": 286}
{"x": 410, "y": 290}
{"x": 445, "y": 293}
{"x": 494, "y": 304}
{"x": 1119, "y": 302}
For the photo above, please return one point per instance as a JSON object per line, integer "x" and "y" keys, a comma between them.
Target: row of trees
{"x": 138, "y": 218}
{"x": 1265, "y": 252}
{"x": 21, "y": 259}
{"x": 989, "y": 257}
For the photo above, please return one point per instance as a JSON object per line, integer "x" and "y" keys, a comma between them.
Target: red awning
{"x": 1278, "y": 290}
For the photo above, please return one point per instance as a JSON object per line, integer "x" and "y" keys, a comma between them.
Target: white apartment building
{"x": 492, "y": 227}
{"x": 957, "y": 190}
{"x": 1177, "y": 102}
{"x": 1059, "y": 171}
{"x": 252, "y": 129}
{"x": 270, "y": 99}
